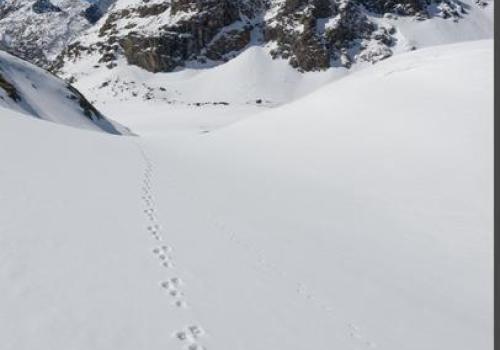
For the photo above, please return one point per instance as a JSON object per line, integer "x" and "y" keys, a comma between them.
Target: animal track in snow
{"x": 163, "y": 253}
{"x": 167, "y": 264}
{"x": 190, "y": 335}
{"x": 355, "y": 333}
{"x": 263, "y": 264}
{"x": 153, "y": 228}
{"x": 180, "y": 304}
{"x": 162, "y": 249}
{"x": 172, "y": 288}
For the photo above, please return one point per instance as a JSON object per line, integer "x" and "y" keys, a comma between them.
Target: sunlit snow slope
{"x": 358, "y": 217}
{"x": 34, "y": 92}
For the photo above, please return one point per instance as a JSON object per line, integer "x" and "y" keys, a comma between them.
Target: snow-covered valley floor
{"x": 356, "y": 217}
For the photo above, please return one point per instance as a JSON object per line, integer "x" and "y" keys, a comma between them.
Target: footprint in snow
{"x": 166, "y": 248}
{"x": 181, "y": 304}
{"x": 190, "y": 335}
{"x": 153, "y": 228}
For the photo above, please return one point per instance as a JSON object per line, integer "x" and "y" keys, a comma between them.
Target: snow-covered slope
{"x": 249, "y": 83}
{"x": 366, "y": 208}
{"x": 359, "y": 217}
{"x": 32, "y": 91}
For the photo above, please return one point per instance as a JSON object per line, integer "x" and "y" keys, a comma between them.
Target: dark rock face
{"x": 227, "y": 43}
{"x": 45, "y": 6}
{"x": 93, "y": 13}
{"x": 97, "y": 10}
{"x": 155, "y": 54}
{"x": 9, "y": 89}
{"x": 198, "y": 30}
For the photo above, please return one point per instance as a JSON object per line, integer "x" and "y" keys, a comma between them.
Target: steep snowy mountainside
{"x": 324, "y": 224}
{"x": 32, "y": 91}
{"x": 38, "y": 30}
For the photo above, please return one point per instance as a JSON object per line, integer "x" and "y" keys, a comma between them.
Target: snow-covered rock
{"x": 38, "y": 30}
{"x": 32, "y": 91}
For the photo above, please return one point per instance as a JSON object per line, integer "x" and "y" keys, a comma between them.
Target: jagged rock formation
{"x": 38, "y": 30}
{"x": 161, "y": 36}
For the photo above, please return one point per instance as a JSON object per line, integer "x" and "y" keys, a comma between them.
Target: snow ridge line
{"x": 189, "y": 335}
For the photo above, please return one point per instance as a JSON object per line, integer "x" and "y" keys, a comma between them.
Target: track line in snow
{"x": 353, "y": 331}
{"x": 353, "y": 337}
{"x": 189, "y": 335}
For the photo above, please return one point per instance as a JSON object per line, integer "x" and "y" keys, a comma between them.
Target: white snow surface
{"x": 357, "y": 217}
{"x": 44, "y": 96}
